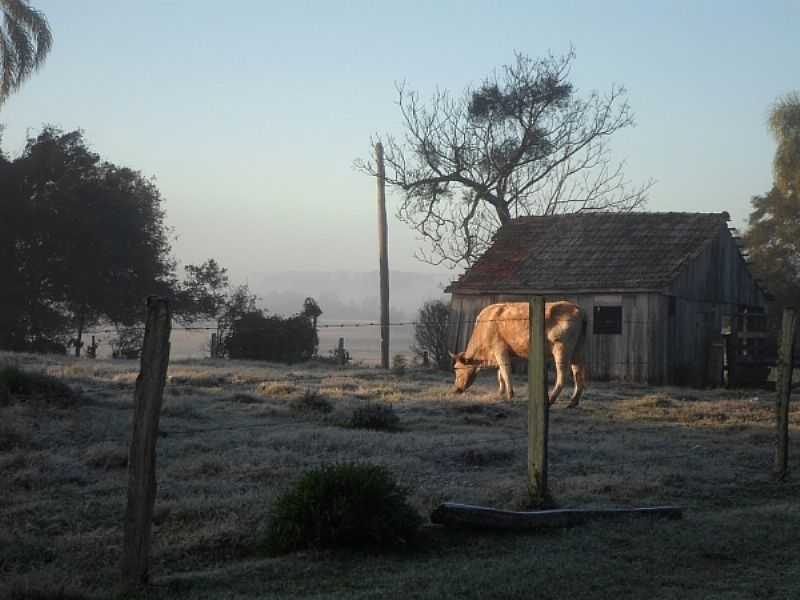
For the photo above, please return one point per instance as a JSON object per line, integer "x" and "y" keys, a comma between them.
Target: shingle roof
{"x": 590, "y": 251}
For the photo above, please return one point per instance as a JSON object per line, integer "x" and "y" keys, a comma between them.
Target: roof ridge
{"x": 593, "y": 213}
{"x": 593, "y": 249}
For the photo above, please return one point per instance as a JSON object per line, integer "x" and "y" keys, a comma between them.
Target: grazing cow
{"x": 503, "y": 330}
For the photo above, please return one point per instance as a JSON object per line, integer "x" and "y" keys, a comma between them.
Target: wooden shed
{"x": 659, "y": 289}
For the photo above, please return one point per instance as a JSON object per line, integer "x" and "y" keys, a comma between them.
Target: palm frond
{"x": 25, "y": 41}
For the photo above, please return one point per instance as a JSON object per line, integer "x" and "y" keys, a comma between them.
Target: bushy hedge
{"x": 260, "y": 337}
{"x": 343, "y": 505}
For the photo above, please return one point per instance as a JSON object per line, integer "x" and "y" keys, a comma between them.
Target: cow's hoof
{"x": 572, "y": 405}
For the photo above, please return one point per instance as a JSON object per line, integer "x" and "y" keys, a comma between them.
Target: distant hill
{"x": 349, "y": 294}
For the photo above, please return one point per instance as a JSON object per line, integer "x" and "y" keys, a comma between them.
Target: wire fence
{"x": 350, "y": 325}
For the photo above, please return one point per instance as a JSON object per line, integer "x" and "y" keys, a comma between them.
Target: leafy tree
{"x": 81, "y": 239}
{"x": 238, "y": 303}
{"x": 784, "y": 121}
{"x": 430, "y": 333}
{"x": 773, "y": 236}
{"x": 773, "y": 241}
{"x": 311, "y": 310}
{"x": 203, "y": 293}
{"x": 521, "y": 143}
{"x": 25, "y": 41}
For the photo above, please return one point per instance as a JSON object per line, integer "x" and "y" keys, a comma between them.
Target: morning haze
{"x": 250, "y": 120}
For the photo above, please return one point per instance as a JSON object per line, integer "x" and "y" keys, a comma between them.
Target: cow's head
{"x": 465, "y": 370}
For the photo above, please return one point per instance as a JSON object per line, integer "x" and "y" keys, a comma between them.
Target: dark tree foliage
{"x": 311, "y": 309}
{"x": 430, "y": 333}
{"x": 203, "y": 294}
{"x": 238, "y": 303}
{"x": 257, "y": 336}
{"x": 80, "y": 239}
{"x": 521, "y": 143}
{"x": 773, "y": 241}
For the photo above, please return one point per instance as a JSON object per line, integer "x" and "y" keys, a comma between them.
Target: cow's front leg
{"x": 504, "y": 376}
{"x": 501, "y": 384}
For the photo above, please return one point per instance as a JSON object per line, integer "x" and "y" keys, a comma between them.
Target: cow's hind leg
{"x": 579, "y": 376}
{"x": 559, "y": 357}
{"x": 504, "y": 373}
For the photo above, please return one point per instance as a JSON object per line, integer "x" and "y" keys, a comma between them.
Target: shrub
{"x": 15, "y": 382}
{"x": 312, "y": 401}
{"x": 345, "y": 505}
{"x": 380, "y": 417}
{"x": 256, "y": 336}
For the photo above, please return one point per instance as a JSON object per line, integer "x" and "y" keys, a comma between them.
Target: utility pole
{"x": 384, "y": 256}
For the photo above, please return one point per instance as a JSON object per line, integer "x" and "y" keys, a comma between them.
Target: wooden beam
{"x": 453, "y": 514}
{"x": 537, "y": 402}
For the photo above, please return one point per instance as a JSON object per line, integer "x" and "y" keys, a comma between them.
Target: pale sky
{"x": 250, "y": 120}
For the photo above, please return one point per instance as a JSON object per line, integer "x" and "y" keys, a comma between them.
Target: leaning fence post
{"x": 142, "y": 453}
{"x": 784, "y": 389}
{"x": 537, "y": 403}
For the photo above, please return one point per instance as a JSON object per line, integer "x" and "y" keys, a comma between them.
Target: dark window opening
{"x": 608, "y": 320}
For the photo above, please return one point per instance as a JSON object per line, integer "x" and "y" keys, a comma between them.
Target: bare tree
{"x": 25, "y": 40}
{"x": 430, "y": 333}
{"x": 522, "y": 143}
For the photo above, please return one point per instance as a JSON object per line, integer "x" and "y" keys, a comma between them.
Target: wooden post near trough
{"x": 537, "y": 403}
{"x": 784, "y": 389}
{"x": 142, "y": 453}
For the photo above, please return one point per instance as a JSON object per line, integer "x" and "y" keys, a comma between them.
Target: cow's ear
{"x": 453, "y": 356}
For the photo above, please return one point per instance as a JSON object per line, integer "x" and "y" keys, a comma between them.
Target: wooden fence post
{"x": 784, "y": 389}
{"x": 340, "y": 353}
{"x": 537, "y": 403}
{"x": 142, "y": 453}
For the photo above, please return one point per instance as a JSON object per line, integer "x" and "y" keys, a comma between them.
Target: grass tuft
{"x": 107, "y": 456}
{"x": 378, "y": 417}
{"x": 277, "y": 389}
{"x": 311, "y": 402}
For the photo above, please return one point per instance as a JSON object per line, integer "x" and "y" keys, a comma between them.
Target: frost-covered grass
{"x": 236, "y": 434}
